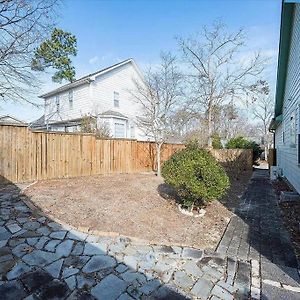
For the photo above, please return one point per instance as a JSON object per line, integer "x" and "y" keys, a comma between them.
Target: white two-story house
{"x": 105, "y": 95}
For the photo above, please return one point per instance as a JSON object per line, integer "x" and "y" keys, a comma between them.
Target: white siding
{"x": 98, "y": 97}
{"x": 81, "y": 105}
{"x": 120, "y": 80}
{"x": 287, "y": 150}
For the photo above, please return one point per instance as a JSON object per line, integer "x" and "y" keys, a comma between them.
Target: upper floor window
{"x": 46, "y": 103}
{"x": 71, "y": 99}
{"x": 116, "y": 99}
{"x": 57, "y": 103}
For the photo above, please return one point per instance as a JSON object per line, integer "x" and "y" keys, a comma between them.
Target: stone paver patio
{"x": 41, "y": 259}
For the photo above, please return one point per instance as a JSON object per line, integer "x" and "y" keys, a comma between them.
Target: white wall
{"x": 287, "y": 148}
{"x": 81, "y": 105}
{"x": 98, "y": 97}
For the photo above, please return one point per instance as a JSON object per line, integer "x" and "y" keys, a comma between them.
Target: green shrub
{"x": 242, "y": 143}
{"x": 216, "y": 142}
{"x": 196, "y": 176}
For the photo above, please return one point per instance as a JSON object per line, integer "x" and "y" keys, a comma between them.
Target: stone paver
{"x": 41, "y": 259}
{"x": 258, "y": 246}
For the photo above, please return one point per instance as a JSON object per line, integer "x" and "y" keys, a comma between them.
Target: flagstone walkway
{"x": 41, "y": 259}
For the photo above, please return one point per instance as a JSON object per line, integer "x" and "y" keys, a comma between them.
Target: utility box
{"x": 273, "y": 172}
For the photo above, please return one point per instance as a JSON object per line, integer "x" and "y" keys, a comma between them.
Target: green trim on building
{"x": 284, "y": 50}
{"x": 275, "y": 122}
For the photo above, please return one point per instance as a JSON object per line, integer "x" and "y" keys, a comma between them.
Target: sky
{"x": 109, "y": 31}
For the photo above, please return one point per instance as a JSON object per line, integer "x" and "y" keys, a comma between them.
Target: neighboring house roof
{"x": 40, "y": 122}
{"x": 71, "y": 122}
{"x": 10, "y": 120}
{"x": 112, "y": 113}
{"x": 91, "y": 77}
{"x": 287, "y": 15}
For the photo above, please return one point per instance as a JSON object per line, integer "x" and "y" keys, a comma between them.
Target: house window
{"x": 116, "y": 99}
{"x": 293, "y": 136}
{"x": 119, "y": 130}
{"x": 132, "y": 132}
{"x": 47, "y": 103}
{"x": 57, "y": 103}
{"x": 71, "y": 99}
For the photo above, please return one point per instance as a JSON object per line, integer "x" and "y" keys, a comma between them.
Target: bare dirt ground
{"x": 132, "y": 205}
{"x": 291, "y": 215}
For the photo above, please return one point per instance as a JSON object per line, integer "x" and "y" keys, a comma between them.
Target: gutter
{"x": 68, "y": 86}
{"x": 275, "y": 122}
{"x": 284, "y": 50}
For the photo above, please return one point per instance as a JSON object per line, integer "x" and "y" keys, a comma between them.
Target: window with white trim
{"x": 119, "y": 130}
{"x": 116, "y": 99}
{"x": 293, "y": 135}
{"x": 70, "y": 95}
{"x": 57, "y": 103}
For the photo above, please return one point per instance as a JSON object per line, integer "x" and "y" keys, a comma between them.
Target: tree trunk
{"x": 158, "y": 162}
{"x": 209, "y": 127}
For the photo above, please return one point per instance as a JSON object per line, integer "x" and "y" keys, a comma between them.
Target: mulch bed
{"x": 291, "y": 215}
{"x": 134, "y": 205}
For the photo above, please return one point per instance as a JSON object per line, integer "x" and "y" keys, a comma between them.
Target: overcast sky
{"x": 110, "y": 31}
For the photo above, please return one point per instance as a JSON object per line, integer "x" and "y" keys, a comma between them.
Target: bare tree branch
{"x": 217, "y": 72}
{"x": 23, "y": 25}
{"x": 159, "y": 96}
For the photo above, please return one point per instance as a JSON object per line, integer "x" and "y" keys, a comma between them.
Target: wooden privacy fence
{"x": 235, "y": 159}
{"x": 27, "y": 155}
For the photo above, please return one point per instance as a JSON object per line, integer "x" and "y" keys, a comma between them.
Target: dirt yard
{"x": 132, "y": 205}
{"x": 291, "y": 215}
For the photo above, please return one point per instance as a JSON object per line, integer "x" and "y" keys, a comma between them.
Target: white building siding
{"x": 98, "y": 97}
{"x": 286, "y": 135}
{"x": 120, "y": 80}
{"x": 81, "y": 104}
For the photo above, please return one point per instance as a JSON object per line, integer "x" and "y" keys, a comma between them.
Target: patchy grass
{"x": 137, "y": 205}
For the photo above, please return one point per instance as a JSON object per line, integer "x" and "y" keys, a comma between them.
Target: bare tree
{"x": 98, "y": 127}
{"x": 159, "y": 95}
{"x": 216, "y": 70}
{"x": 23, "y": 25}
{"x": 263, "y": 110}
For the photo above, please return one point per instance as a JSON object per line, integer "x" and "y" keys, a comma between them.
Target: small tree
{"x": 263, "y": 110}
{"x": 90, "y": 125}
{"x": 55, "y": 52}
{"x": 159, "y": 96}
{"x": 216, "y": 141}
{"x": 216, "y": 72}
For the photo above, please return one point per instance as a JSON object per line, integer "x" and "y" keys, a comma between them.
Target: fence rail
{"x": 27, "y": 155}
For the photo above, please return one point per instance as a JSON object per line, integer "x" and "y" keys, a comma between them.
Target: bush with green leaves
{"x": 242, "y": 143}
{"x": 196, "y": 176}
{"x": 216, "y": 141}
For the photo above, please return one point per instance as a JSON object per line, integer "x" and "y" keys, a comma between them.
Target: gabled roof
{"x": 8, "y": 119}
{"x": 71, "y": 122}
{"x": 39, "y": 122}
{"x": 112, "y": 113}
{"x": 91, "y": 77}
